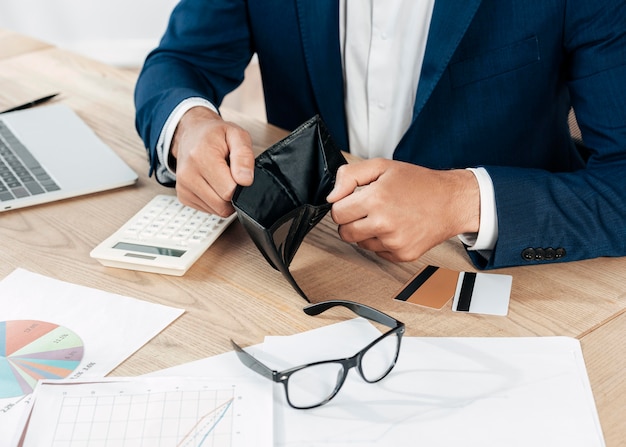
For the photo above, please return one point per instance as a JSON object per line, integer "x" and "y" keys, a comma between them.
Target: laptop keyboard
{"x": 21, "y": 175}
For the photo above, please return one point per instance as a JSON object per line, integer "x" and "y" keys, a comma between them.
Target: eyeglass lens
{"x": 378, "y": 360}
{"x": 315, "y": 384}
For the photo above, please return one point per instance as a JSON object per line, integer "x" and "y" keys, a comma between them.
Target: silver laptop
{"x": 48, "y": 153}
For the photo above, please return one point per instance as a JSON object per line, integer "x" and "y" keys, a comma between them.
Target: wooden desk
{"x": 232, "y": 292}
{"x": 12, "y": 44}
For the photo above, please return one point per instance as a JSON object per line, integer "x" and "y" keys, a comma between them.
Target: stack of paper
{"x": 443, "y": 391}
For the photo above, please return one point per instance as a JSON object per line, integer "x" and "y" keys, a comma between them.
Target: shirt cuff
{"x": 164, "y": 171}
{"x": 487, "y": 236}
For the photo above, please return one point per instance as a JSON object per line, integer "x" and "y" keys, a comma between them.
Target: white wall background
{"x": 118, "y": 32}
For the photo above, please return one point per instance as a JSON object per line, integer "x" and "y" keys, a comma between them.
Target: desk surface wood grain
{"x": 231, "y": 291}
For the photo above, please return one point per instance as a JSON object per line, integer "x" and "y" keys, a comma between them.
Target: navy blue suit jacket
{"x": 498, "y": 80}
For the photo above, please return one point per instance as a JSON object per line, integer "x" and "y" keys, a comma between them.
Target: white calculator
{"x": 163, "y": 237}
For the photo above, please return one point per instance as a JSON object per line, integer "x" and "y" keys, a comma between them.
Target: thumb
{"x": 351, "y": 176}
{"x": 241, "y": 156}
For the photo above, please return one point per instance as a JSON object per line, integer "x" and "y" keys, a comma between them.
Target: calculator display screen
{"x": 149, "y": 249}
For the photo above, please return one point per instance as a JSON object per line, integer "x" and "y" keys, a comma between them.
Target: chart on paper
{"x": 131, "y": 413}
{"x": 31, "y": 350}
{"x": 175, "y": 418}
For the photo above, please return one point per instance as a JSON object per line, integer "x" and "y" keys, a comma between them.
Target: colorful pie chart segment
{"x": 31, "y": 350}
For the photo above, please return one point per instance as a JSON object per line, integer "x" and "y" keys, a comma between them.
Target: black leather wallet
{"x": 288, "y": 196}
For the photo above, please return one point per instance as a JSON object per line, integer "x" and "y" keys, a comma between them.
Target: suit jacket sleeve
{"x": 582, "y": 213}
{"x": 203, "y": 53}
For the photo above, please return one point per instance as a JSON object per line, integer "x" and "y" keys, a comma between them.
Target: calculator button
{"x": 164, "y": 223}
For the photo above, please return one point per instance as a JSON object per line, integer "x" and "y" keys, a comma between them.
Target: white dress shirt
{"x": 383, "y": 44}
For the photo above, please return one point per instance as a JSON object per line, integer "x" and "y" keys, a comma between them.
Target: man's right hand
{"x": 213, "y": 156}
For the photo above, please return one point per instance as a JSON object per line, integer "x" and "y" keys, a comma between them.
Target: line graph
{"x": 173, "y": 418}
{"x": 205, "y": 426}
{"x": 168, "y": 412}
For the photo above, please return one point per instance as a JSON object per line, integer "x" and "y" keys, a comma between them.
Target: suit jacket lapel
{"x": 319, "y": 25}
{"x": 449, "y": 23}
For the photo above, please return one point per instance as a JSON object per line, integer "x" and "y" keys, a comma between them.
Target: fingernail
{"x": 246, "y": 175}
{"x": 329, "y": 197}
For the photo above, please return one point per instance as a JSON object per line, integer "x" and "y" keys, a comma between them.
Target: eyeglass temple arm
{"x": 360, "y": 309}
{"x": 251, "y": 362}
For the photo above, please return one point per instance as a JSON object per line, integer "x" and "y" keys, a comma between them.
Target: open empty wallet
{"x": 288, "y": 196}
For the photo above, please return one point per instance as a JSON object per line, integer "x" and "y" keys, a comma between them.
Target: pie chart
{"x": 31, "y": 350}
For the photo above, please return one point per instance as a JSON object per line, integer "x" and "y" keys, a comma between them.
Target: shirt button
{"x": 382, "y": 106}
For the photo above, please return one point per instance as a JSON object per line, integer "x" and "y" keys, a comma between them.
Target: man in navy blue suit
{"x": 460, "y": 110}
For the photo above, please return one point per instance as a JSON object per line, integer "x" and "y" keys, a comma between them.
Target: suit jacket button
{"x": 549, "y": 254}
{"x": 539, "y": 254}
{"x": 559, "y": 253}
{"x": 528, "y": 254}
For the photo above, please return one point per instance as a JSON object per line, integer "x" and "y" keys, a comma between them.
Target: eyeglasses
{"x": 314, "y": 384}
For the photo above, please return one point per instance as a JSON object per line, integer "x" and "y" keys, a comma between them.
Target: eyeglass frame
{"x": 348, "y": 363}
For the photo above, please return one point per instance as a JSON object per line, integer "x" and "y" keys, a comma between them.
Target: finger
{"x": 372, "y": 244}
{"x": 217, "y": 207}
{"x": 357, "y": 231}
{"x": 351, "y": 176}
{"x": 232, "y": 163}
{"x": 375, "y": 245}
{"x": 208, "y": 202}
{"x": 205, "y": 187}
{"x": 241, "y": 156}
{"x": 350, "y": 208}
{"x": 215, "y": 178}
{"x": 389, "y": 256}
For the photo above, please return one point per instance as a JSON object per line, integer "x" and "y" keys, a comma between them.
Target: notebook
{"x": 48, "y": 153}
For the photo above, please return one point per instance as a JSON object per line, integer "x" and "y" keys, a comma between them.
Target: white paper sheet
{"x": 106, "y": 327}
{"x": 443, "y": 391}
{"x": 448, "y": 391}
{"x": 155, "y": 411}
